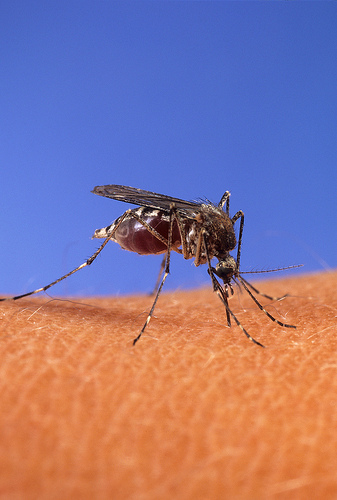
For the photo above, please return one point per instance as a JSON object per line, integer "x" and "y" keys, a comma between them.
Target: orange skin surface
{"x": 193, "y": 411}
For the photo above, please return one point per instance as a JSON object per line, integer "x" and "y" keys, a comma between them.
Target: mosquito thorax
{"x": 226, "y": 268}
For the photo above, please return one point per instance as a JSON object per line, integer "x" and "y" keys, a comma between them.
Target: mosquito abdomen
{"x": 133, "y": 236}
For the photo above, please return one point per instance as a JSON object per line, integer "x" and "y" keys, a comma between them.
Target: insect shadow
{"x": 162, "y": 224}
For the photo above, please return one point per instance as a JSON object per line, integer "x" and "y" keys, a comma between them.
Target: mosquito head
{"x": 226, "y": 268}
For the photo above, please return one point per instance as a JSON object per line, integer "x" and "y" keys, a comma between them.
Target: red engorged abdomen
{"x": 133, "y": 236}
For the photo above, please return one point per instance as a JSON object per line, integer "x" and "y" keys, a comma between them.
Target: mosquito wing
{"x": 143, "y": 198}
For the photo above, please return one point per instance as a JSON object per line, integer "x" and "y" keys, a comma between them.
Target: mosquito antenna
{"x": 272, "y": 270}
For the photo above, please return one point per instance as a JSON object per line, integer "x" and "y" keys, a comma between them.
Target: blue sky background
{"x": 188, "y": 99}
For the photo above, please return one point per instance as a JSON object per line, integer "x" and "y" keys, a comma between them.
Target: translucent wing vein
{"x": 143, "y": 198}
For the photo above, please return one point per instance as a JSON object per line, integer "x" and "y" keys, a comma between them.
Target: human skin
{"x": 194, "y": 411}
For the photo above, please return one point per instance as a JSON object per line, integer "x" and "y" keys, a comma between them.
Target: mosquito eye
{"x": 224, "y": 273}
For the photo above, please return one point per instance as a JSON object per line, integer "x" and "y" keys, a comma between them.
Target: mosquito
{"x": 162, "y": 224}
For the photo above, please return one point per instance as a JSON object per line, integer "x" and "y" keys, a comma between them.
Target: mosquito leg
{"x": 198, "y": 252}
{"x": 224, "y": 299}
{"x": 216, "y": 285}
{"x": 244, "y": 331}
{"x": 260, "y": 306}
{"x": 239, "y": 215}
{"x": 166, "y": 273}
{"x": 184, "y": 246}
{"x": 153, "y": 306}
{"x": 44, "y": 288}
{"x": 262, "y": 294}
{"x": 225, "y": 199}
{"x": 165, "y": 241}
{"x": 162, "y": 266}
{"x": 86, "y": 263}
